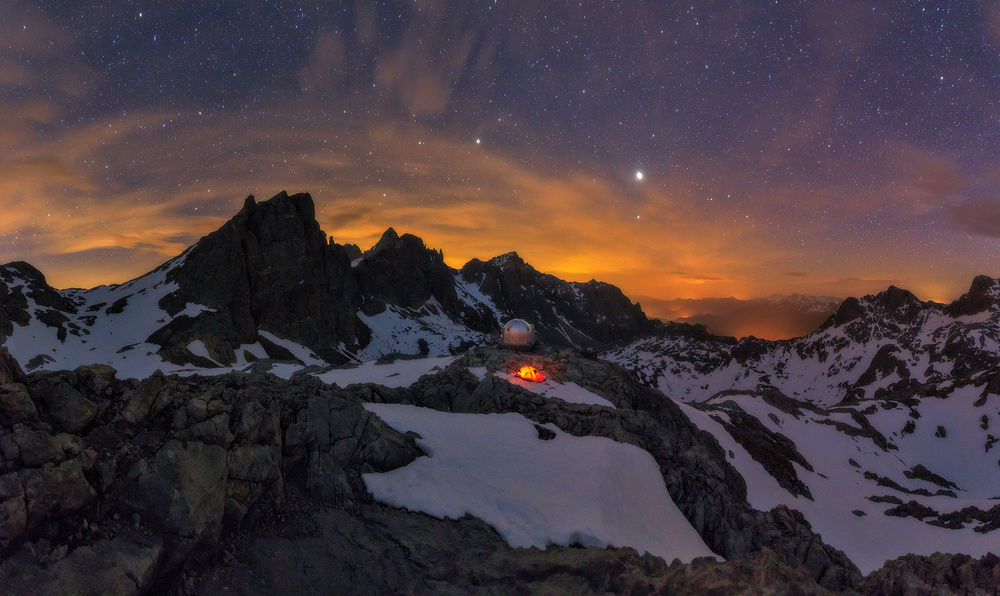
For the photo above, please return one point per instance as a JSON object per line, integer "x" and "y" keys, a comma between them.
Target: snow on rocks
{"x": 400, "y": 373}
{"x": 565, "y": 490}
{"x": 871, "y": 490}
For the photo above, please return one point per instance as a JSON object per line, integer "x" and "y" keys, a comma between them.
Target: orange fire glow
{"x": 530, "y": 373}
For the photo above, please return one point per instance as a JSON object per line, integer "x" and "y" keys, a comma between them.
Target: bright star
{"x": 638, "y": 175}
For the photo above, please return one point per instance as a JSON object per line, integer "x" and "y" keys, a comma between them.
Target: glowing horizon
{"x": 658, "y": 158}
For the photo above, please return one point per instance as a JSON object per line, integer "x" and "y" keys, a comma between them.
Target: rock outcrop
{"x": 270, "y": 274}
{"x": 183, "y": 483}
{"x": 270, "y": 267}
{"x": 114, "y": 486}
{"x": 591, "y": 314}
{"x": 246, "y": 482}
{"x": 914, "y": 575}
{"x": 709, "y": 492}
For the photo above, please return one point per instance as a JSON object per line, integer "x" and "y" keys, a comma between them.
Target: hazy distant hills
{"x": 773, "y": 317}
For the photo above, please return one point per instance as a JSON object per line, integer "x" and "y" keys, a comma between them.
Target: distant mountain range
{"x": 269, "y": 286}
{"x": 880, "y": 426}
{"x": 772, "y": 317}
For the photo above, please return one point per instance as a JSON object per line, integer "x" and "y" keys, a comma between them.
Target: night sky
{"x": 678, "y": 150}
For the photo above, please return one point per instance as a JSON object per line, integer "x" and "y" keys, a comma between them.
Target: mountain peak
{"x": 897, "y": 298}
{"x": 28, "y": 272}
{"x": 983, "y": 294}
{"x": 271, "y": 272}
{"x": 269, "y": 267}
{"x": 389, "y": 238}
{"x": 897, "y": 303}
{"x": 510, "y": 259}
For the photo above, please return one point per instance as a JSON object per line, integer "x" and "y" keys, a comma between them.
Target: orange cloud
{"x": 127, "y": 193}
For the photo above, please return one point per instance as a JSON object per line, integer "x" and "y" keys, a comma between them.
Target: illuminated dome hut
{"x": 518, "y": 334}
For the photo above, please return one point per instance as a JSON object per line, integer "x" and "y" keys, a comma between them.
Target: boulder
{"x": 63, "y": 404}
{"x": 181, "y": 493}
{"x": 16, "y": 406}
{"x": 914, "y": 575}
{"x": 122, "y": 566}
{"x": 10, "y": 370}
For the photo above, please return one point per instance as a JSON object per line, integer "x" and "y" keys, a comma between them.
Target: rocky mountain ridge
{"x": 879, "y": 424}
{"x": 850, "y": 357}
{"x": 805, "y": 463}
{"x": 268, "y": 285}
{"x": 109, "y": 484}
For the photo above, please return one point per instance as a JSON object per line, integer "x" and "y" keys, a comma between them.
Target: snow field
{"x": 840, "y": 488}
{"x": 401, "y": 373}
{"x": 587, "y": 490}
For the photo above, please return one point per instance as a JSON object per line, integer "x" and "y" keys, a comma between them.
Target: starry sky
{"x": 677, "y": 150}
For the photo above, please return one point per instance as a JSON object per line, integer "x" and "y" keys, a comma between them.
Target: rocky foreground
{"x": 249, "y": 484}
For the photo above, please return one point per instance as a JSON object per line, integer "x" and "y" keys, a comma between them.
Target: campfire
{"x": 530, "y": 373}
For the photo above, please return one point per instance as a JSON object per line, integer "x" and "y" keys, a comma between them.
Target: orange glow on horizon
{"x": 471, "y": 200}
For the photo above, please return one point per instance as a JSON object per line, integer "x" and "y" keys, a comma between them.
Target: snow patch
{"x": 588, "y": 490}
{"x": 401, "y": 373}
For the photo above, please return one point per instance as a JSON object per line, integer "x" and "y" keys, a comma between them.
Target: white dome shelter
{"x": 517, "y": 333}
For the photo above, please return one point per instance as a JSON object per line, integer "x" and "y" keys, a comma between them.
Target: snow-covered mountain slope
{"x": 876, "y": 483}
{"x": 883, "y": 346}
{"x": 268, "y": 285}
{"x": 879, "y": 427}
{"x": 582, "y": 457}
{"x": 108, "y": 325}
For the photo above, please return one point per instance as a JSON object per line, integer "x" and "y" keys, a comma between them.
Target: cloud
{"x": 795, "y": 274}
{"x": 695, "y": 277}
{"x": 927, "y": 180}
{"x": 342, "y": 220}
{"x": 128, "y": 191}
{"x": 978, "y": 215}
{"x": 38, "y": 61}
{"x": 991, "y": 14}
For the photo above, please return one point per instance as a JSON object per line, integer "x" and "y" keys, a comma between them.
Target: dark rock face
{"x": 387, "y": 551}
{"x": 10, "y": 370}
{"x": 982, "y": 295}
{"x": 150, "y": 477}
{"x": 13, "y": 303}
{"x": 598, "y": 313}
{"x": 775, "y": 452}
{"x": 270, "y": 267}
{"x": 886, "y": 312}
{"x": 401, "y": 270}
{"x": 914, "y": 575}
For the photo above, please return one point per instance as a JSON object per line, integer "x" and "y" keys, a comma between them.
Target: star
{"x": 638, "y": 174}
